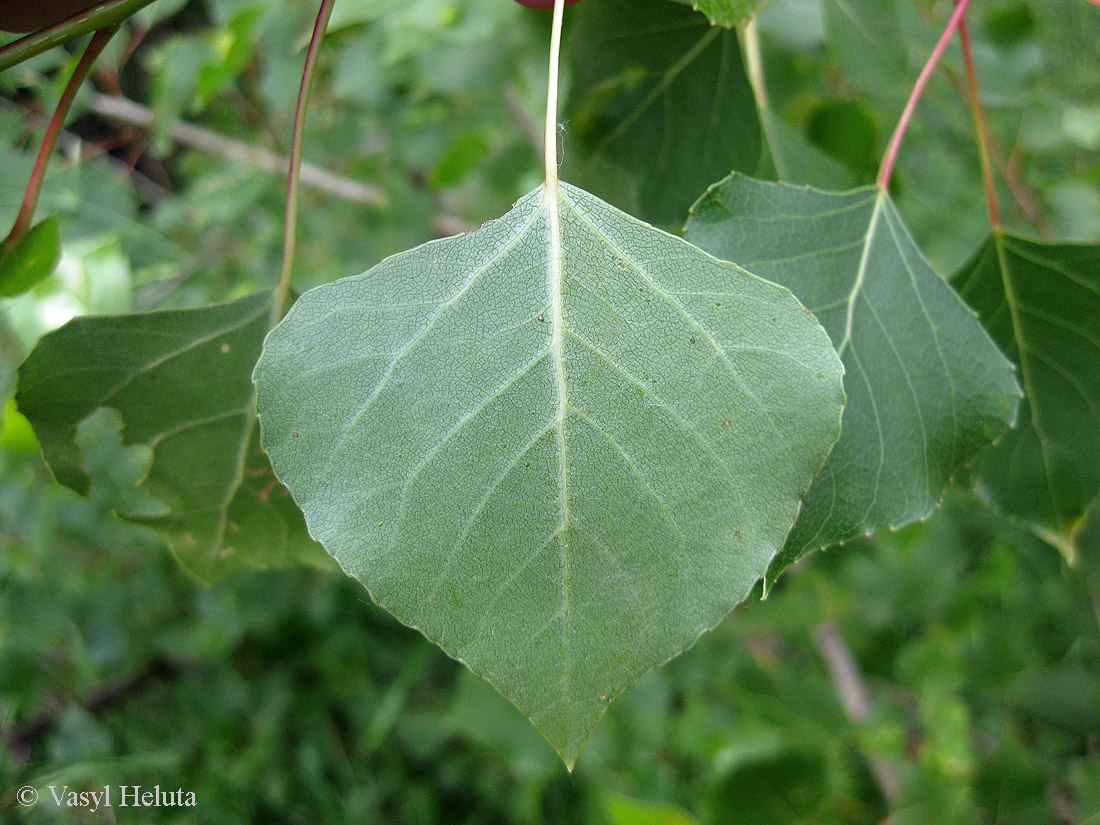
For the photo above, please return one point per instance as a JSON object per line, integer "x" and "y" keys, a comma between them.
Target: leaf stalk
{"x": 104, "y": 16}
{"x": 551, "y": 144}
{"x": 888, "y": 161}
{"x": 979, "y": 125}
{"x": 24, "y": 219}
{"x": 290, "y": 232}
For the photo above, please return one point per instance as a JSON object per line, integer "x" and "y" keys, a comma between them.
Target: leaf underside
{"x": 561, "y": 455}
{"x": 927, "y": 387}
{"x": 179, "y": 382}
{"x": 1041, "y": 302}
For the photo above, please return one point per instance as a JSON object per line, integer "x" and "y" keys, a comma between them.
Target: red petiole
{"x": 979, "y": 125}
{"x": 38, "y": 174}
{"x": 887, "y": 168}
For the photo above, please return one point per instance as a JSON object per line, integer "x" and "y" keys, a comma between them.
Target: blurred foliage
{"x": 285, "y": 696}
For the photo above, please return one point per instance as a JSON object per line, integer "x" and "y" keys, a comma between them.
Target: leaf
{"x": 117, "y": 470}
{"x": 796, "y": 160}
{"x": 660, "y": 107}
{"x": 31, "y": 259}
{"x": 176, "y": 385}
{"x": 865, "y": 37}
{"x": 728, "y": 13}
{"x": 1041, "y": 303}
{"x": 624, "y": 810}
{"x": 926, "y": 386}
{"x": 559, "y": 454}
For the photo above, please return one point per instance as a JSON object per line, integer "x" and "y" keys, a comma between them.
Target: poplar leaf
{"x": 31, "y": 259}
{"x": 659, "y": 107}
{"x": 927, "y": 387}
{"x": 1041, "y": 302}
{"x": 727, "y": 13}
{"x": 159, "y": 406}
{"x": 561, "y": 447}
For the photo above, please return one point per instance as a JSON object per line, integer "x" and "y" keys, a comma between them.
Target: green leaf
{"x": 796, "y": 160}
{"x": 623, "y": 810}
{"x": 561, "y": 454}
{"x": 660, "y": 107}
{"x": 175, "y": 387}
{"x": 790, "y": 788}
{"x": 728, "y": 13}
{"x": 926, "y": 386}
{"x": 1041, "y": 303}
{"x": 31, "y": 259}
{"x": 865, "y": 37}
{"x": 116, "y": 470}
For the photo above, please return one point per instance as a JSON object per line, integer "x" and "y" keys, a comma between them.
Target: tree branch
{"x": 24, "y": 736}
{"x": 126, "y": 111}
{"x": 850, "y": 688}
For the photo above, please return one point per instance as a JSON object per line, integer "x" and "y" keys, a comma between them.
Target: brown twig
{"x": 850, "y": 688}
{"x": 22, "y": 737}
{"x": 127, "y": 111}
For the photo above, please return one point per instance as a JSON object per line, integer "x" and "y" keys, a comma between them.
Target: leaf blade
{"x": 660, "y": 106}
{"x": 179, "y": 382}
{"x": 727, "y": 13}
{"x": 30, "y": 260}
{"x": 481, "y": 455}
{"x": 1047, "y": 470}
{"x": 927, "y": 387}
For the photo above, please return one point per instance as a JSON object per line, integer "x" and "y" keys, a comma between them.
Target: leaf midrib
{"x": 551, "y": 202}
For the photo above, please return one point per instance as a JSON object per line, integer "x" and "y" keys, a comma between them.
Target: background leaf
{"x": 728, "y": 13}
{"x": 660, "y": 107}
{"x": 1041, "y": 302}
{"x": 623, "y": 810}
{"x": 926, "y": 386}
{"x": 31, "y": 259}
{"x": 178, "y": 385}
{"x": 795, "y": 160}
{"x": 561, "y": 462}
{"x": 865, "y": 38}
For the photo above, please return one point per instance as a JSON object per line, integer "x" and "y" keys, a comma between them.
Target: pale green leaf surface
{"x": 176, "y": 386}
{"x": 116, "y": 470}
{"x": 927, "y": 387}
{"x": 561, "y": 456}
{"x": 660, "y": 107}
{"x": 728, "y": 13}
{"x": 1041, "y": 302}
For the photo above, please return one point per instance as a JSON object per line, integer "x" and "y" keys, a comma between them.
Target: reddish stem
{"x": 891, "y": 156}
{"x": 38, "y": 173}
{"x": 979, "y": 124}
{"x": 290, "y": 237}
